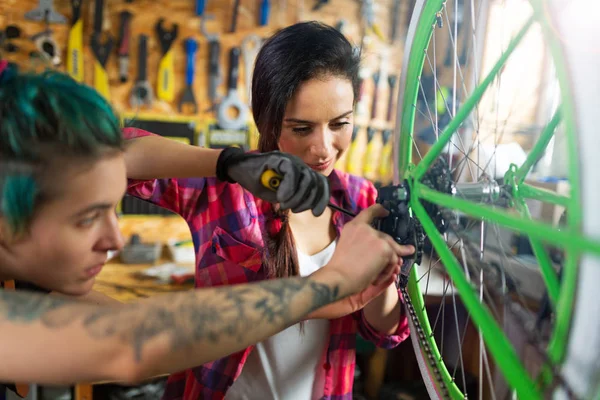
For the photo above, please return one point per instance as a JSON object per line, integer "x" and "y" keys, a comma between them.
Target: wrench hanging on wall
{"x": 232, "y": 100}
{"x": 166, "y": 71}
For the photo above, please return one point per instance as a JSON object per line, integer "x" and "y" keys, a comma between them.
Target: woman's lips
{"x": 321, "y": 166}
{"x": 93, "y": 271}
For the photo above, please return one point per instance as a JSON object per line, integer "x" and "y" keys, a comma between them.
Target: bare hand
{"x": 366, "y": 256}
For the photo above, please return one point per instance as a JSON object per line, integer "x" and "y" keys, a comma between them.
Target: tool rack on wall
{"x": 104, "y": 43}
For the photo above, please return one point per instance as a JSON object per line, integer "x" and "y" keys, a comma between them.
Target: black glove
{"x": 300, "y": 188}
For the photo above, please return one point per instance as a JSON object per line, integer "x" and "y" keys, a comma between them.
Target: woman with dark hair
{"x": 62, "y": 173}
{"x": 303, "y": 96}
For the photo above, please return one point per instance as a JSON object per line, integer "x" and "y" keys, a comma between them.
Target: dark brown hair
{"x": 293, "y": 55}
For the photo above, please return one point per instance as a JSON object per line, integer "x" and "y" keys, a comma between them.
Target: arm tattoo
{"x": 188, "y": 318}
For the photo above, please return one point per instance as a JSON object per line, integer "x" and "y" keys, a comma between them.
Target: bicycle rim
{"x": 442, "y": 379}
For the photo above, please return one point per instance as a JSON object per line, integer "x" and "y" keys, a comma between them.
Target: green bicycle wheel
{"x": 513, "y": 280}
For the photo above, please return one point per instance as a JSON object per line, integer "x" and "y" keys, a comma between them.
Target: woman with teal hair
{"x": 62, "y": 173}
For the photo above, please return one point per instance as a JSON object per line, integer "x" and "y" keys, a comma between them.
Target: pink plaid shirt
{"x": 227, "y": 225}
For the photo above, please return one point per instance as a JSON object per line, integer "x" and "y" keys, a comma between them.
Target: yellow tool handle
{"x": 386, "y": 161}
{"x": 166, "y": 78}
{"x": 271, "y": 179}
{"x": 370, "y": 164}
{"x": 101, "y": 80}
{"x": 75, "y": 52}
{"x": 353, "y": 165}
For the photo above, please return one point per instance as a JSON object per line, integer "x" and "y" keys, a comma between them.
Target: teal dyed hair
{"x": 45, "y": 118}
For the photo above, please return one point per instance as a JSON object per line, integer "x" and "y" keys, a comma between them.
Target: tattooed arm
{"x": 168, "y": 333}
{"x": 163, "y": 334}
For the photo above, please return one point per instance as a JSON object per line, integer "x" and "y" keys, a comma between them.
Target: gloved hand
{"x": 300, "y": 188}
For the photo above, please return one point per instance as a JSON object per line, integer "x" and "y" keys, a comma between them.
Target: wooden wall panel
{"x": 147, "y": 12}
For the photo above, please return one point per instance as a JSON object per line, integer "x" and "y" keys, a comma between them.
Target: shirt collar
{"x": 339, "y": 189}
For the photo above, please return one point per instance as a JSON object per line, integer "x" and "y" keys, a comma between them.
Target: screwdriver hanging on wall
{"x": 390, "y": 109}
{"x": 234, "y": 16}
{"x": 124, "y": 42}
{"x": 187, "y": 102}
{"x": 375, "y": 95}
{"x": 265, "y": 9}
{"x": 101, "y": 51}
{"x": 371, "y": 155}
{"x": 353, "y": 156}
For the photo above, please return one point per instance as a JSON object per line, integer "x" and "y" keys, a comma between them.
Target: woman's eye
{"x": 301, "y": 130}
{"x": 340, "y": 125}
{"x": 86, "y": 222}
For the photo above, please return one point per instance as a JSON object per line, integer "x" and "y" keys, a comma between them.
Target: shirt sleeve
{"x": 181, "y": 196}
{"x": 367, "y": 197}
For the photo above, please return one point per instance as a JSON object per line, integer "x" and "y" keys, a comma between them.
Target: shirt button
{"x": 327, "y": 366}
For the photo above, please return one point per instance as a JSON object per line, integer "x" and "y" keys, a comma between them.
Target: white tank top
{"x": 286, "y": 366}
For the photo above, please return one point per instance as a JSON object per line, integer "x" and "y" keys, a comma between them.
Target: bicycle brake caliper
{"x": 399, "y": 224}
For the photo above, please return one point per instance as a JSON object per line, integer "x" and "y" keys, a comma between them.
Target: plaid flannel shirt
{"x": 227, "y": 225}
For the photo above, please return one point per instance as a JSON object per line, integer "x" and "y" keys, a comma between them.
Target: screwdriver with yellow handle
{"x": 371, "y": 155}
{"x": 353, "y": 155}
{"x": 75, "y": 45}
{"x": 271, "y": 180}
{"x": 385, "y": 163}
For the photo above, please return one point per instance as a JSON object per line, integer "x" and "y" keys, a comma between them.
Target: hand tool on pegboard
{"x": 200, "y": 6}
{"x": 45, "y": 12}
{"x": 75, "y": 44}
{"x": 368, "y": 15}
{"x": 44, "y": 41}
{"x": 232, "y": 99}
{"x": 352, "y": 158}
{"x": 385, "y": 161}
{"x": 11, "y": 32}
{"x": 390, "y": 108}
{"x": 214, "y": 70}
{"x": 362, "y": 108}
{"x": 250, "y": 48}
{"x": 141, "y": 93}
{"x": 375, "y": 99}
{"x": 101, "y": 51}
{"x": 188, "y": 101}
{"x": 124, "y": 43}
{"x": 47, "y": 47}
{"x": 234, "y": 15}
{"x": 166, "y": 72}
{"x": 371, "y": 156}
{"x": 265, "y": 10}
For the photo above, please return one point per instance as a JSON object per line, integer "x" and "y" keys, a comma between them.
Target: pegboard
{"x": 378, "y": 55}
